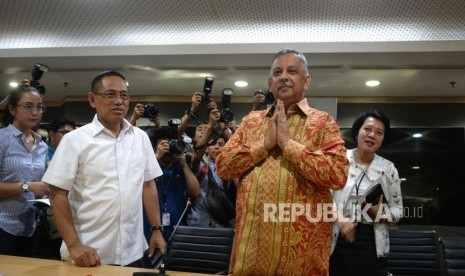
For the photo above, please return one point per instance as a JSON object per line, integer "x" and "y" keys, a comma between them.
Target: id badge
{"x": 355, "y": 212}
{"x": 165, "y": 219}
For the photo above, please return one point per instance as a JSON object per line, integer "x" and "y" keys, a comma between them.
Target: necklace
{"x": 28, "y": 141}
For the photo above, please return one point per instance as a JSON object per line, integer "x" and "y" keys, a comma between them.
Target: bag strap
{"x": 203, "y": 172}
{"x": 211, "y": 180}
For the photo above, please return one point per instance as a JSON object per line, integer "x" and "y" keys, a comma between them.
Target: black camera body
{"x": 177, "y": 146}
{"x": 207, "y": 89}
{"x": 174, "y": 122}
{"x": 269, "y": 99}
{"x": 226, "y": 115}
{"x": 37, "y": 71}
{"x": 150, "y": 111}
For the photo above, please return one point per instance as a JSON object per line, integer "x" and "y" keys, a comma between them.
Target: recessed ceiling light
{"x": 417, "y": 135}
{"x": 13, "y": 84}
{"x": 416, "y": 167}
{"x": 403, "y": 179}
{"x": 241, "y": 83}
{"x": 372, "y": 83}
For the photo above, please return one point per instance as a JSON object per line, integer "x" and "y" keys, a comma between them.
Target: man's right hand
{"x": 162, "y": 149}
{"x": 258, "y": 99}
{"x": 196, "y": 100}
{"x": 83, "y": 255}
{"x": 138, "y": 111}
{"x": 214, "y": 116}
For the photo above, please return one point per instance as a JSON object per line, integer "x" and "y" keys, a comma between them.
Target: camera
{"x": 207, "y": 89}
{"x": 174, "y": 122}
{"x": 150, "y": 111}
{"x": 226, "y": 114}
{"x": 37, "y": 71}
{"x": 269, "y": 98}
{"x": 177, "y": 146}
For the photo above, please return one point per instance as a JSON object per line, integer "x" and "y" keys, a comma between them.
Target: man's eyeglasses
{"x": 30, "y": 107}
{"x": 113, "y": 96}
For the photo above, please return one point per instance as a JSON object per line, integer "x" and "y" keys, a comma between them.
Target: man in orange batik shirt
{"x": 287, "y": 159}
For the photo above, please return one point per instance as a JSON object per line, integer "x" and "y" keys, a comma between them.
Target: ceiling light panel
{"x": 84, "y": 23}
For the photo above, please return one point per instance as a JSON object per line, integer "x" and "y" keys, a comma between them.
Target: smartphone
{"x": 155, "y": 260}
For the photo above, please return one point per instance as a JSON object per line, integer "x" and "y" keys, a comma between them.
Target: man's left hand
{"x": 282, "y": 127}
{"x": 157, "y": 241}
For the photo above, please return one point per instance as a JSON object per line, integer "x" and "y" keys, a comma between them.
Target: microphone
{"x": 161, "y": 270}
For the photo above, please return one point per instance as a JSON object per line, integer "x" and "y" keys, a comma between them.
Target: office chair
{"x": 453, "y": 250}
{"x": 413, "y": 253}
{"x": 201, "y": 250}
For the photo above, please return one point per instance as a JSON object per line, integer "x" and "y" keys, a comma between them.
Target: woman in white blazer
{"x": 361, "y": 239}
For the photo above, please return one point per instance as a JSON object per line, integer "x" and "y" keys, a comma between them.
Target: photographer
{"x": 141, "y": 111}
{"x": 177, "y": 182}
{"x": 204, "y": 132}
{"x": 259, "y": 100}
{"x": 215, "y": 205}
{"x": 191, "y": 113}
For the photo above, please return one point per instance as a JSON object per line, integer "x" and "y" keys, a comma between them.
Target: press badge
{"x": 165, "y": 219}
{"x": 355, "y": 211}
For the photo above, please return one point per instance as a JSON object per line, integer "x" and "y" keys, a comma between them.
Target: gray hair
{"x": 298, "y": 54}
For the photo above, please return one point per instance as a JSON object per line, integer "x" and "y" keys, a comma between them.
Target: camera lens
{"x": 150, "y": 111}
{"x": 226, "y": 116}
{"x": 177, "y": 146}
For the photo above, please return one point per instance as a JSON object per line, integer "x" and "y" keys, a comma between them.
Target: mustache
{"x": 284, "y": 84}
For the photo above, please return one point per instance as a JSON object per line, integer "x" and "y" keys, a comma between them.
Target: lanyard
{"x": 357, "y": 187}
{"x": 169, "y": 174}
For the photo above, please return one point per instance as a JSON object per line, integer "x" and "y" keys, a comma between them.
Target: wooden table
{"x": 20, "y": 266}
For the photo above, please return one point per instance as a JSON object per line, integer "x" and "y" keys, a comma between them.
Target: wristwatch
{"x": 25, "y": 186}
{"x": 190, "y": 114}
{"x": 157, "y": 227}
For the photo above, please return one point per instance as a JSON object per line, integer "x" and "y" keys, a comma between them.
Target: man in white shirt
{"x": 102, "y": 177}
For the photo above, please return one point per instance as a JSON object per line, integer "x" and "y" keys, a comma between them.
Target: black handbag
{"x": 220, "y": 207}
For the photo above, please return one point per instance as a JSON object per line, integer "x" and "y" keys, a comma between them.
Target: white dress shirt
{"x": 104, "y": 176}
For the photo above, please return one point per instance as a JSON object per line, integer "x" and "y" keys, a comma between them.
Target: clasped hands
{"x": 278, "y": 129}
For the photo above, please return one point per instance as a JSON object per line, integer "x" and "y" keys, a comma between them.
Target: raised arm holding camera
{"x": 191, "y": 113}
{"x": 149, "y": 111}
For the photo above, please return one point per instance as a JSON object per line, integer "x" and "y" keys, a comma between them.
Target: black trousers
{"x": 15, "y": 245}
{"x": 358, "y": 258}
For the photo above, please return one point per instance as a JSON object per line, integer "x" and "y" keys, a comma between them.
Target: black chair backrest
{"x": 201, "y": 250}
{"x": 453, "y": 250}
{"x": 413, "y": 253}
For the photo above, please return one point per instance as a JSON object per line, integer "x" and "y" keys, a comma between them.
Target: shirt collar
{"x": 301, "y": 106}
{"x": 16, "y": 132}
{"x": 98, "y": 127}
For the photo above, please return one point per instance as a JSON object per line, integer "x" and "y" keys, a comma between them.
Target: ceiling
{"x": 165, "y": 48}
